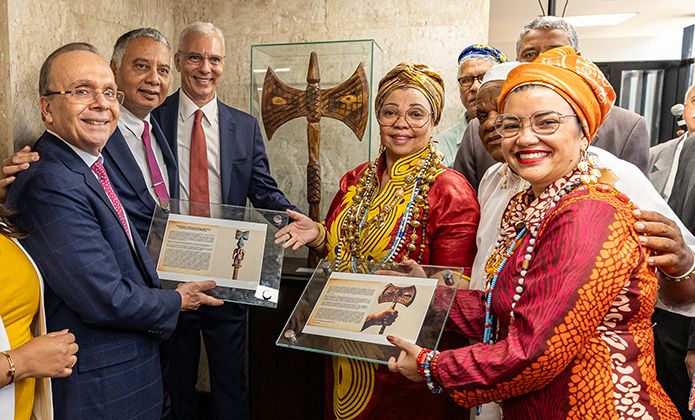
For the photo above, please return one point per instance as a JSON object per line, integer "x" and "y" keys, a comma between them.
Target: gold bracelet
{"x": 321, "y": 239}
{"x": 12, "y": 370}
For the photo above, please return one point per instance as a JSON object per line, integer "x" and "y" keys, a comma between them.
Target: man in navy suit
{"x": 100, "y": 281}
{"x": 137, "y": 156}
{"x": 235, "y": 169}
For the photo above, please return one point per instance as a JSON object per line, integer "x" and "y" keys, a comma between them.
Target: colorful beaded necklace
{"x": 499, "y": 258}
{"x": 357, "y": 224}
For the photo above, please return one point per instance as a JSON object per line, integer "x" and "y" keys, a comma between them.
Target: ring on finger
{"x": 74, "y": 361}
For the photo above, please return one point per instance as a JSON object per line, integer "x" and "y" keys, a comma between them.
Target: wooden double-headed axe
{"x": 348, "y": 102}
{"x": 392, "y": 293}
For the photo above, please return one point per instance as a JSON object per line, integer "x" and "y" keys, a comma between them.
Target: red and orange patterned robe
{"x": 361, "y": 390}
{"x": 581, "y": 344}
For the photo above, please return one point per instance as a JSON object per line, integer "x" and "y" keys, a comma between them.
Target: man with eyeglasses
{"x": 221, "y": 159}
{"x": 99, "y": 279}
{"x": 671, "y": 243}
{"x": 624, "y": 133}
{"x": 473, "y": 61}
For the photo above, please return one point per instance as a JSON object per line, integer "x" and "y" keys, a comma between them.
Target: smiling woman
{"x": 565, "y": 318}
{"x": 404, "y": 205}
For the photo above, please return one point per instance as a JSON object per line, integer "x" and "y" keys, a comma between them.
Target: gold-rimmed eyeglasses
{"x": 543, "y": 123}
{"x": 86, "y": 94}
{"x": 415, "y": 117}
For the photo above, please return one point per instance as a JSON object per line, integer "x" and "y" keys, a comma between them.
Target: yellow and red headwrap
{"x": 576, "y": 79}
{"x": 416, "y": 76}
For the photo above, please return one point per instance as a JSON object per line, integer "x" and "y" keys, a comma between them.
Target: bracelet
{"x": 321, "y": 239}
{"x": 431, "y": 359}
{"x": 11, "y": 371}
{"x": 685, "y": 276}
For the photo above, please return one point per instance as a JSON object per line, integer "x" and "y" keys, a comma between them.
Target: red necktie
{"x": 158, "y": 184}
{"x": 200, "y": 194}
{"x": 100, "y": 171}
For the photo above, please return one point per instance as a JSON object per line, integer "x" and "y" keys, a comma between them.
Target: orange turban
{"x": 416, "y": 76}
{"x": 576, "y": 79}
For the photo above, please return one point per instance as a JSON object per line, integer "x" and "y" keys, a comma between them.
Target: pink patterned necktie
{"x": 160, "y": 188}
{"x": 100, "y": 171}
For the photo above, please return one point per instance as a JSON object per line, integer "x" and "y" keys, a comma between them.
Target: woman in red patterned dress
{"x": 565, "y": 319}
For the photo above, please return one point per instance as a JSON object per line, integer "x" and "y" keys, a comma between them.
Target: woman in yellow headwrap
{"x": 565, "y": 317}
{"x": 403, "y": 205}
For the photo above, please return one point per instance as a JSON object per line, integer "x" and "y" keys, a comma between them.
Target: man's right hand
{"x": 192, "y": 295}
{"x": 13, "y": 165}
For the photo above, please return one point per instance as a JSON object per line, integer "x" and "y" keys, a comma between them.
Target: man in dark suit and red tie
{"x": 221, "y": 159}
{"x": 100, "y": 281}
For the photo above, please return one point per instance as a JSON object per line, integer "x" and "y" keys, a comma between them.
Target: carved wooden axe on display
{"x": 348, "y": 102}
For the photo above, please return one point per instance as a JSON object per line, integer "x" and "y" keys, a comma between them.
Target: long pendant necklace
{"x": 357, "y": 224}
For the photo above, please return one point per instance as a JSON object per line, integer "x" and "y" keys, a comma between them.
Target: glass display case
{"x": 339, "y": 149}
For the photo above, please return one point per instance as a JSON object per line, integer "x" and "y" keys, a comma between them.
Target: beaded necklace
{"x": 499, "y": 258}
{"x": 357, "y": 224}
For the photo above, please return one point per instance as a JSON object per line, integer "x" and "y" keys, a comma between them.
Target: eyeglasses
{"x": 415, "y": 117}
{"x": 467, "y": 81}
{"x": 543, "y": 123}
{"x": 85, "y": 94}
{"x": 197, "y": 59}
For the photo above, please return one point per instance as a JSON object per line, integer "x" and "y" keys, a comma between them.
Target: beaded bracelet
{"x": 425, "y": 369}
{"x": 685, "y": 276}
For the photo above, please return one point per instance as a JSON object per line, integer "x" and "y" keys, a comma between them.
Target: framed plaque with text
{"x": 234, "y": 246}
{"x": 350, "y": 314}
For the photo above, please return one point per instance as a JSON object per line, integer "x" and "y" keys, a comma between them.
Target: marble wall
{"x": 36, "y": 28}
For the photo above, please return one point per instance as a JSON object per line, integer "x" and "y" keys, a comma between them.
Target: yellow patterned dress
{"x": 436, "y": 228}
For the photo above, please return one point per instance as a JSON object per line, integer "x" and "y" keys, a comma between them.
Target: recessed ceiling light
{"x": 599, "y": 20}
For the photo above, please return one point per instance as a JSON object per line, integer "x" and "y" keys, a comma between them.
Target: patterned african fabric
{"x": 361, "y": 390}
{"x": 580, "y": 345}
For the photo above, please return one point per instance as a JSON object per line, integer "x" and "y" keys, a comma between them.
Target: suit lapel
{"x": 227, "y": 152}
{"x": 120, "y": 158}
{"x": 169, "y": 159}
{"x": 662, "y": 167}
{"x": 74, "y": 163}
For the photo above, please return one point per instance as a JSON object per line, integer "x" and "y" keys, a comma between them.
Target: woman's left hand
{"x": 406, "y": 364}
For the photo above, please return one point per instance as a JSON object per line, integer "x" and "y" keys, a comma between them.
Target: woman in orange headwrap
{"x": 565, "y": 317}
{"x": 403, "y": 205}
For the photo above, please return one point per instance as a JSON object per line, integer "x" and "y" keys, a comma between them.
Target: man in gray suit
{"x": 672, "y": 173}
{"x": 663, "y": 158}
{"x": 624, "y": 133}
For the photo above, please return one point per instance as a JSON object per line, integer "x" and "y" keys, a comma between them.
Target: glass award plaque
{"x": 234, "y": 247}
{"x": 350, "y": 313}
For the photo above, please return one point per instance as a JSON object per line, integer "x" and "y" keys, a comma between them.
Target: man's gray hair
{"x": 124, "y": 40}
{"x": 550, "y": 22}
{"x": 204, "y": 28}
{"x": 45, "y": 72}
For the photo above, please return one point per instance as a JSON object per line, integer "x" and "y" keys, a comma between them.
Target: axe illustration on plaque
{"x": 238, "y": 256}
{"x": 348, "y": 102}
{"x": 392, "y": 293}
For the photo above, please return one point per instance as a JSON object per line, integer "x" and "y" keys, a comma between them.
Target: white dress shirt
{"x": 211, "y": 128}
{"x": 132, "y": 128}
{"x": 499, "y": 184}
